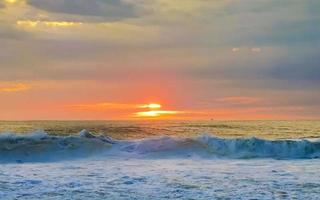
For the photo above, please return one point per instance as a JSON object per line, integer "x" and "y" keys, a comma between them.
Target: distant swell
{"x": 41, "y": 147}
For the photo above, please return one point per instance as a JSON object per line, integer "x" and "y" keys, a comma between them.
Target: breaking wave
{"x": 41, "y": 147}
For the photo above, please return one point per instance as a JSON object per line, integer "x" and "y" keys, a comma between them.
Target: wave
{"x": 244, "y": 148}
{"x": 41, "y": 147}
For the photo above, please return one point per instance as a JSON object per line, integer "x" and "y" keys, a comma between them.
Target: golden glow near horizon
{"x": 110, "y": 105}
{"x": 13, "y": 1}
{"x": 150, "y": 110}
{"x": 156, "y": 113}
{"x": 151, "y": 106}
{"x": 15, "y": 88}
{"x": 10, "y": 1}
{"x": 102, "y": 106}
{"x": 14, "y": 4}
{"x": 33, "y": 24}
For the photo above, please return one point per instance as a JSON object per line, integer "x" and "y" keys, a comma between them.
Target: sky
{"x": 190, "y": 59}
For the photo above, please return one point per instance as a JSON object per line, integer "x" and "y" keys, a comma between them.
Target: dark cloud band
{"x": 108, "y": 9}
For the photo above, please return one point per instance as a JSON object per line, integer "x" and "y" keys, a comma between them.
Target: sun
{"x": 156, "y": 113}
{"x": 152, "y": 110}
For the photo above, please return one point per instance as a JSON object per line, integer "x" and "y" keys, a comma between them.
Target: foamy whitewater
{"x": 39, "y": 165}
{"x": 41, "y": 147}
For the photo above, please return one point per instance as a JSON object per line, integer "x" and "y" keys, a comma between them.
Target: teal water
{"x": 159, "y": 160}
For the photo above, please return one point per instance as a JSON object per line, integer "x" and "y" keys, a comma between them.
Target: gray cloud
{"x": 108, "y": 9}
{"x": 296, "y": 67}
{"x": 33, "y": 59}
{"x": 306, "y": 69}
{"x": 274, "y": 22}
{"x": 9, "y": 32}
{"x": 290, "y": 24}
{"x": 287, "y": 33}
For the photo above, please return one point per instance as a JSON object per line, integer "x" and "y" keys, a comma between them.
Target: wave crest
{"x": 244, "y": 148}
{"x": 41, "y": 147}
{"x": 259, "y": 148}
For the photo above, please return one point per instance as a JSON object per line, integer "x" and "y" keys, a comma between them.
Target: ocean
{"x": 160, "y": 160}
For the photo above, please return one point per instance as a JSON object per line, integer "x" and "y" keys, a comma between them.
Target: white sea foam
{"x": 89, "y": 166}
{"x": 162, "y": 179}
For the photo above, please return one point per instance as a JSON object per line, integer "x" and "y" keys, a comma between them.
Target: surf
{"x": 42, "y": 147}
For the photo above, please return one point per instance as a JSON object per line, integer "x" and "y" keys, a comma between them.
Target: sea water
{"x": 160, "y": 160}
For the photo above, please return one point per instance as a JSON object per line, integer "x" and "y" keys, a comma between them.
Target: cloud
{"x": 109, "y": 10}
{"x": 17, "y": 87}
{"x": 221, "y": 48}
{"x": 240, "y": 100}
{"x": 109, "y": 105}
{"x": 10, "y": 33}
{"x": 297, "y": 70}
{"x": 29, "y": 23}
{"x": 151, "y": 110}
{"x": 275, "y": 23}
{"x": 235, "y": 49}
{"x": 256, "y": 50}
{"x": 103, "y": 106}
{"x": 275, "y": 68}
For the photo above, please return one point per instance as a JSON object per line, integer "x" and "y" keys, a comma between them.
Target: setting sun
{"x": 155, "y": 113}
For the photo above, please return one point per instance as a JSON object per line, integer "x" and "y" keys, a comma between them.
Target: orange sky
{"x": 46, "y": 100}
{"x": 100, "y": 60}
